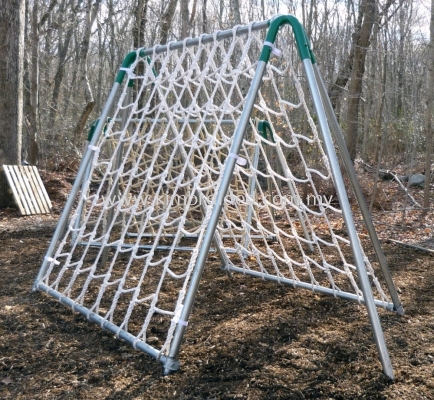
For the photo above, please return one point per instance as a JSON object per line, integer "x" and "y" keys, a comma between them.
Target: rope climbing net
{"x": 132, "y": 238}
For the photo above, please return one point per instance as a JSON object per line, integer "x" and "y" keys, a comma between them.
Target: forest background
{"x": 375, "y": 56}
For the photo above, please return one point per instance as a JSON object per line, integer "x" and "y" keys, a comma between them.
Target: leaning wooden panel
{"x": 23, "y": 183}
{"x": 27, "y": 174}
{"x": 19, "y": 195}
{"x": 15, "y": 193}
{"x": 41, "y": 190}
{"x": 28, "y": 189}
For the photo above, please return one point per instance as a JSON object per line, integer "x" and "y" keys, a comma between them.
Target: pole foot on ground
{"x": 170, "y": 366}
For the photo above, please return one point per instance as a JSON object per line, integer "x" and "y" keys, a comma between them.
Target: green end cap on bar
{"x": 312, "y": 54}
{"x": 262, "y": 128}
{"x": 312, "y": 57}
{"x": 128, "y": 60}
{"x": 299, "y": 33}
{"x": 93, "y": 127}
{"x": 92, "y": 130}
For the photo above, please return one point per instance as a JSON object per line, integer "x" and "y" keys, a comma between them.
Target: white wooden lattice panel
{"x": 28, "y": 189}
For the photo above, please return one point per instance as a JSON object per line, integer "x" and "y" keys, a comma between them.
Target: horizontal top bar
{"x": 274, "y": 24}
{"x": 207, "y": 38}
{"x": 182, "y": 120}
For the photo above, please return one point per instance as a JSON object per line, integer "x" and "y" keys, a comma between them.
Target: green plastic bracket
{"x": 299, "y": 34}
{"x": 92, "y": 130}
{"x": 93, "y": 127}
{"x": 128, "y": 60}
{"x": 262, "y": 128}
{"x": 312, "y": 54}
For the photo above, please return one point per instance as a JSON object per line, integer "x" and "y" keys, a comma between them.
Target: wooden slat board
{"x": 28, "y": 190}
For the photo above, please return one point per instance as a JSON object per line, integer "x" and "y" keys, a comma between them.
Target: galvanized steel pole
{"x": 348, "y": 218}
{"x": 334, "y": 124}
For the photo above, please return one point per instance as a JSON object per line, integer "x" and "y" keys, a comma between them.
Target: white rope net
{"x": 133, "y": 240}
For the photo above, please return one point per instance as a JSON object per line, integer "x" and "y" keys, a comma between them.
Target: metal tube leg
{"x": 115, "y": 195}
{"x": 217, "y": 240}
{"x": 80, "y": 207}
{"x": 212, "y": 225}
{"x": 358, "y": 192}
{"x": 295, "y": 196}
{"x": 76, "y": 187}
{"x": 252, "y": 187}
{"x": 351, "y": 229}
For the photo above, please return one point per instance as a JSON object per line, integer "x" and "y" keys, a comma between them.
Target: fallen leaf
{"x": 7, "y": 380}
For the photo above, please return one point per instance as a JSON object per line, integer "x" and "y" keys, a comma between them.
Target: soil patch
{"x": 246, "y": 339}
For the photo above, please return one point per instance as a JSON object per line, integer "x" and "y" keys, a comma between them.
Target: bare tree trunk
{"x": 346, "y": 70}
{"x": 70, "y": 94}
{"x": 429, "y": 114}
{"x": 36, "y": 24}
{"x": 64, "y": 39}
{"x": 401, "y": 60}
{"x": 139, "y": 29}
{"x": 34, "y": 87}
{"x": 235, "y": 11}
{"x": 185, "y": 19}
{"x": 368, "y": 154}
{"x": 220, "y": 14}
{"x": 11, "y": 81}
{"x": 166, "y": 21}
{"x": 193, "y": 13}
{"x": 414, "y": 150}
{"x": 355, "y": 87}
{"x": 344, "y": 73}
{"x": 102, "y": 40}
{"x": 378, "y": 133}
{"x": 91, "y": 13}
{"x": 27, "y": 73}
{"x": 140, "y": 22}
{"x": 204, "y": 18}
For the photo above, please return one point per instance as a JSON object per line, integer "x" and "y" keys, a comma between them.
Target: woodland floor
{"x": 246, "y": 338}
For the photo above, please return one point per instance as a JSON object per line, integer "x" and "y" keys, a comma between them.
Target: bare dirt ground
{"x": 246, "y": 339}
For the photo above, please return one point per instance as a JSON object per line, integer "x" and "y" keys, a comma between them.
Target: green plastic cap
{"x": 299, "y": 34}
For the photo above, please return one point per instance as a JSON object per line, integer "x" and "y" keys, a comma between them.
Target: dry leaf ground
{"x": 246, "y": 339}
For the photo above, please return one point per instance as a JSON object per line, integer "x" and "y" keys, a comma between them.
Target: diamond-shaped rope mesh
{"x": 132, "y": 243}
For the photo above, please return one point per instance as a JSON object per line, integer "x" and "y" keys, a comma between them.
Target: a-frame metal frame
{"x": 325, "y": 116}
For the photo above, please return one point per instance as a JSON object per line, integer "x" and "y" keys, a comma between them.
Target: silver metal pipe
{"x": 115, "y": 178}
{"x": 242, "y": 30}
{"x": 202, "y": 201}
{"x": 334, "y": 124}
{"x": 80, "y": 207}
{"x": 215, "y": 215}
{"x": 195, "y": 236}
{"x": 61, "y": 225}
{"x": 309, "y": 286}
{"x": 122, "y": 334}
{"x": 252, "y": 187}
{"x": 182, "y": 120}
{"x": 294, "y": 195}
{"x": 348, "y": 218}
{"x": 228, "y": 250}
